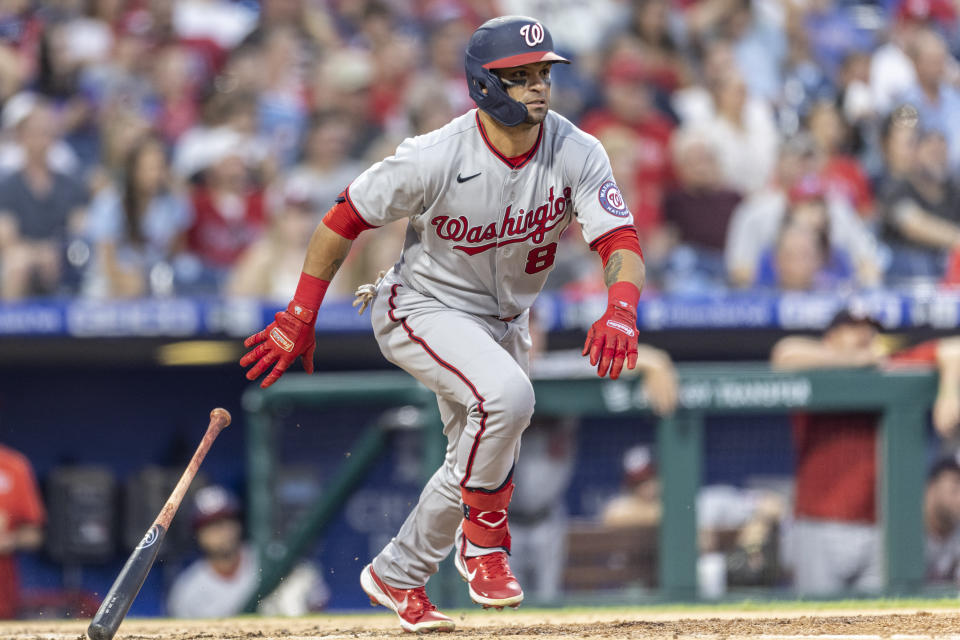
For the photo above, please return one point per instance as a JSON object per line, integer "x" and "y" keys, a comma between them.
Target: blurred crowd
{"x": 189, "y": 147}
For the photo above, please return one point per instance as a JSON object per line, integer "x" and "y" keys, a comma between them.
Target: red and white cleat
{"x": 417, "y": 614}
{"x": 490, "y": 580}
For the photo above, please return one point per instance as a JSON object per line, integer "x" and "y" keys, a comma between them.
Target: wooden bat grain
{"x": 219, "y": 419}
{"x": 117, "y": 602}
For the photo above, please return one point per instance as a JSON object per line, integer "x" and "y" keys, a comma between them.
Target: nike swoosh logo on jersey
{"x": 462, "y": 180}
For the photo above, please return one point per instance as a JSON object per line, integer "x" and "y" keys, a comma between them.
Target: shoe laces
{"x": 494, "y": 565}
{"x": 419, "y": 601}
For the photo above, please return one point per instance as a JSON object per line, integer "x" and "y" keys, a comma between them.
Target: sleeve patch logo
{"x": 612, "y": 200}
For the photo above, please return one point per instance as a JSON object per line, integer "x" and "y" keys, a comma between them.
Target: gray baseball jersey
{"x": 481, "y": 240}
{"x": 483, "y": 235}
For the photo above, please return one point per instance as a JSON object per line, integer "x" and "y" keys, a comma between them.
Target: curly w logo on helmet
{"x": 532, "y": 34}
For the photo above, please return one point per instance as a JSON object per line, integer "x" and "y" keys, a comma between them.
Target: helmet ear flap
{"x": 489, "y": 92}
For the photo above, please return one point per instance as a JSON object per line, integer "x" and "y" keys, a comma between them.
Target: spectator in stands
{"x": 835, "y": 541}
{"x": 898, "y": 146}
{"x": 396, "y": 54}
{"x": 40, "y": 209}
{"x": 841, "y": 173}
{"x": 700, "y": 20}
{"x": 229, "y": 207}
{"x": 941, "y": 516}
{"x": 936, "y": 15}
{"x": 921, "y": 217}
{"x": 344, "y": 83}
{"x": 696, "y": 215}
{"x": 310, "y": 21}
{"x": 629, "y": 106}
{"x": 325, "y": 167}
{"x": 445, "y": 45}
{"x": 833, "y": 32}
{"x": 760, "y": 48}
{"x": 21, "y": 28}
{"x": 742, "y": 131}
{"x": 757, "y": 223}
{"x": 934, "y": 95}
{"x": 65, "y": 47}
{"x": 650, "y": 37}
{"x": 123, "y": 80}
{"x": 233, "y": 112}
{"x": 220, "y": 583}
{"x": 138, "y": 231}
{"x": 694, "y": 103}
{"x": 802, "y": 260}
{"x": 807, "y": 80}
{"x": 21, "y": 523}
{"x": 272, "y": 264}
{"x": 856, "y": 104}
{"x": 282, "y": 103}
{"x": 60, "y": 155}
{"x": 891, "y": 70}
{"x": 754, "y": 223}
{"x": 428, "y": 105}
{"x": 178, "y": 109}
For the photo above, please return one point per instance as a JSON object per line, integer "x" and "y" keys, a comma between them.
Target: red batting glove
{"x": 291, "y": 334}
{"x": 613, "y": 337}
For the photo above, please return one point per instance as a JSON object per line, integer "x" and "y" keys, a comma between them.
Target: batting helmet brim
{"x": 525, "y": 58}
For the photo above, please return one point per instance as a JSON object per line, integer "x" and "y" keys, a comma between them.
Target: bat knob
{"x": 221, "y": 415}
{"x": 97, "y": 631}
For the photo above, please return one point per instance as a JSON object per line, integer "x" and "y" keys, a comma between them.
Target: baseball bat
{"x": 125, "y": 588}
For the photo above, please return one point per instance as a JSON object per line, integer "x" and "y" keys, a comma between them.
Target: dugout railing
{"x": 903, "y": 397}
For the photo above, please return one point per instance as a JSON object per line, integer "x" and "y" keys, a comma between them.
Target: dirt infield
{"x": 518, "y": 625}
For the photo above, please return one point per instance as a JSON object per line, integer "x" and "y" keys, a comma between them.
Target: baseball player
{"x": 486, "y": 198}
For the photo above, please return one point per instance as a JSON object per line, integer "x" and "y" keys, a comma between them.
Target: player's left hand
{"x": 613, "y": 339}
{"x": 291, "y": 334}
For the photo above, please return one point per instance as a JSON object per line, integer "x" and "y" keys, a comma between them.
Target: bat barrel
{"x": 125, "y": 588}
{"x": 98, "y": 631}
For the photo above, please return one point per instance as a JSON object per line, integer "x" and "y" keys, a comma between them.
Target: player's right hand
{"x": 290, "y": 335}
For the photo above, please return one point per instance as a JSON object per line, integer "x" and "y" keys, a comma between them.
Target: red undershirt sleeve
{"x": 624, "y": 237}
{"x": 344, "y": 220}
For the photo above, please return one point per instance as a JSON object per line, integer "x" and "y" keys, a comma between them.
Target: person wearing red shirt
{"x": 836, "y": 544}
{"x": 21, "y": 523}
{"x": 630, "y": 112}
{"x": 841, "y": 173}
{"x": 229, "y": 206}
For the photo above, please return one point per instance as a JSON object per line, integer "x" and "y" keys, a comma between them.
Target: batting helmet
{"x": 507, "y": 41}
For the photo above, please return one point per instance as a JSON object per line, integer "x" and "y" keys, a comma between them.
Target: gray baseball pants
{"x": 477, "y": 366}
